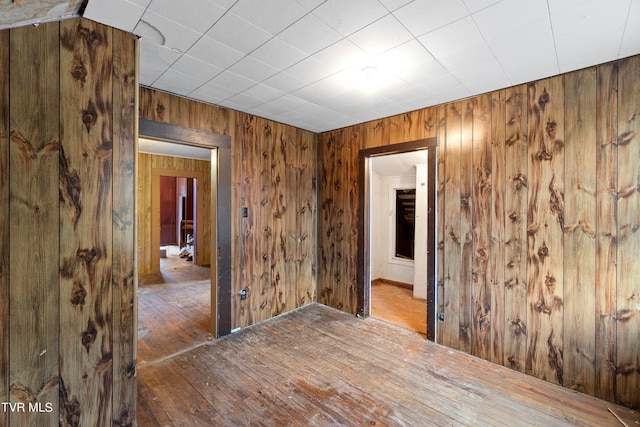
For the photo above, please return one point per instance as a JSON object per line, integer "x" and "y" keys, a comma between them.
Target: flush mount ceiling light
{"x": 370, "y": 77}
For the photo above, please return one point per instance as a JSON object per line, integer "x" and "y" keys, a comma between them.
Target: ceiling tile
{"x": 178, "y": 83}
{"x": 523, "y": 65}
{"x": 156, "y": 59}
{"x": 341, "y": 55}
{"x": 270, "y": 15}
{"x": 423, "y": 16}
{"x": 452, "y": 38}
{"x": 252, "y": 69}
{"x": 213, "y": 92}
{"x": 278, "y": 54}
{"x": 400, "y": 59}
{"x": 166, "y": 32}
{"x": 263, "y": 92}
{"x": 476, "y": 5}
{"x": 238, "y": 33}
{"x": 284, "y": 82}
{"x": 577, "y": 44}
{"x": 392, "y": 5}
{"x": 381, "y": 35}
{"x": 141, "y": 3}
{"x": 120, "y": 14}
{"x": 193, "y": 66}
{"x": 215, "y": 53}
{"x": 198, "y": 15}
{"x": 492, "y": 23}
{"x": 631, "y": 38}
{"x": 310, "y": 34}
{"x": 309, "y": 70}
{"x": 347, "y": 17}
{"x": 310, "y": 4}
{"x": 232, "y": 81}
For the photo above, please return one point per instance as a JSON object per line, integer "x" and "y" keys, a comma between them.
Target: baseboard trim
{"x": 392, "y": 282}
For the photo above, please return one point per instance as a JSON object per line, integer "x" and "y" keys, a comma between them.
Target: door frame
{"x": 364, "y": 238}
{"x": 221, "y": 210}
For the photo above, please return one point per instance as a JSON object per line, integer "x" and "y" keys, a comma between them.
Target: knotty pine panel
{"x": 515, "y": 220}
{"x": 4, "y": 222}
{"x": 628, "y": 207}
{"x": 34, "y": 237}
{"x": 306, "y": 218}
{"x": 481, "y": 290}
{"x": 280, "y": 292}
{"x": 535, "y": 243}
{"x": 606, "y": 230}
{"x": 545, "y": 227}
{"x": 440, "y": 223}
{"x": 86, "y": 194}
{"x": 579, "y": 231}
{"x": 124, "y": 270}
{"x": 497, "y": 206}
{"x": 60, "y": 163}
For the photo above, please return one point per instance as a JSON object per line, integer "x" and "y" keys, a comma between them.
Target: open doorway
{"x": 174, "y": 303}
{"x": 396, "y": 235}
{"x": 218, "y": 148}
{"x": 398, "y": 207}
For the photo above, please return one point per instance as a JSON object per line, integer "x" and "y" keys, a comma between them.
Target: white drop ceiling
{"x": 300, "y": 62}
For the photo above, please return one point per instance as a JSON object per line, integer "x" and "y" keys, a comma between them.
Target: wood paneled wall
{"x": 68, "y": 95}
{"x": 274, "y": 177}
{"x": 147, "y": 164}
{"x": 538, "y": 224}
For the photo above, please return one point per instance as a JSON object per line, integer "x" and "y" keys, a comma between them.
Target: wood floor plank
{"x": 321, "y": 367}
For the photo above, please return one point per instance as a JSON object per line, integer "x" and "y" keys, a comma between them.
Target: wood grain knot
{"x": 89, "y": 116}
{"x": 550, "y": 129}
{"x": 160, "y": 111}
{"x": 86, "y": 255}
{"x": 543, "y": 99}
{"x": 78, "y": 294}
{"x": 625, "y": 138}
{"x": 518, "y": 327}
{"x": 541, "y": 307}
{"x": 543, "y": 251}
{"x": 79, "y": 72}
{"x": 625, "y": 315}
{"x": 89, "y": 36}
{"x": 89, "y": 335}
{"x": 544, "y": 155}
{"x": 519, "y": 181}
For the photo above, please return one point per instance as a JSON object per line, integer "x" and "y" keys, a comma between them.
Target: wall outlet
{"x": 243, "y": 294}
{"x": 441, "y": 317}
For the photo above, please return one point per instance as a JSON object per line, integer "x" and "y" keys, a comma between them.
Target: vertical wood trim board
{"x": 538, "y": 225}
{"x": 70, "y": 104}
{"x": 125, "y": 275}
{"x": 628, "y": 208}
{"x": 4, "y": 222}
{"x": 34, "y": 238}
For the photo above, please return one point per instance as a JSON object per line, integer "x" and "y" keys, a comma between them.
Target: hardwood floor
{"x": 173, "y": 308}
{"x": 317, "y": 366}
{"x": 397, "y": 305}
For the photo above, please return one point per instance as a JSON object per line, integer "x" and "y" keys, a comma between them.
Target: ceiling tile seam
{"x": 553, "y": 36}
{"x": 471, "y": 15}
{"x": 624, "y": 30}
